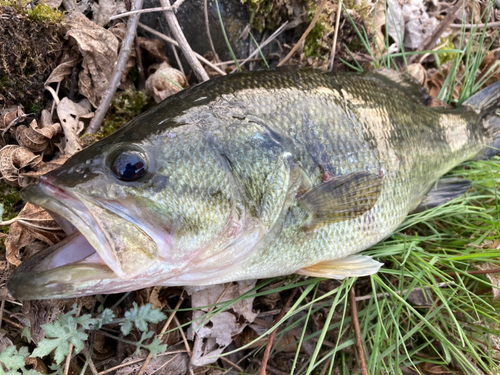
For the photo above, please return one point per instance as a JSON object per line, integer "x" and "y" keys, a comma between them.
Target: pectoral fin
{"x": 446, "y": 190}
{"x": 351, "y": 266}
{"x": 342, "y": 198}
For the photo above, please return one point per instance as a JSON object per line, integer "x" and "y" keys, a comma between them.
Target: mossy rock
{"x": 30, "y": 44}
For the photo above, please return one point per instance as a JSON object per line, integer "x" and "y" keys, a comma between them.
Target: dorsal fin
{"x": 403, "y": 82}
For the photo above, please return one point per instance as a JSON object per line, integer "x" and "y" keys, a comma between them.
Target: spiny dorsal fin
{"x": 341, "y": 198}
{"x": 351, "y": 266}
{"x": 402, "y": 82}
{"x": 445, "y": 190}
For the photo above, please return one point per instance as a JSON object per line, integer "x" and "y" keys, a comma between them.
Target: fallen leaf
{"x": 32, "y": 223}
{"x": 99, "y": 49}
{"x": 13, "y": 160}
{"x": 165, "y": 82}
{"x": 10, "y": 117}
{"x": 34, "y": 138}
{"x": 103, "y": 11}
{"x": 69, "y": 114}
{"x": 37, "y": 364}
{"x": 217, "y": 333}
{"x": 154, "y": 47}
{"x": 69, "y": 60}
{"x": 175, "y": 364}
{"x": 418, "y": 72}
{"x": 418, "y": 24}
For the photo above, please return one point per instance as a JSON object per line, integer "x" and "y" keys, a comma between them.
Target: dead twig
{"x": 306, "y": 33}
{"x": 430, "y": 41}
{"x": 334, "y": 45}
{"x": 193, "y": 62}
{"x": 471, "y": 26}
{"x": 163, "y": 330}
{"x": 273, "y": 333}
{"x": 357, "y": 332}
{"x": 209, "y": 35}
{"x": 268, "y": 40}
{"x": 2, "y": 307}
{"x": 172, "y": 41}
{"x": 137, "y": 361}
{"x": 126, "y": 47}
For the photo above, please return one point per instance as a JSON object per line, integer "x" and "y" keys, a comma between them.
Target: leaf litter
{"x": 32, "y": 147}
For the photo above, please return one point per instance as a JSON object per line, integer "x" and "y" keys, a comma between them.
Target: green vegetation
{"x": 126, "y": 105}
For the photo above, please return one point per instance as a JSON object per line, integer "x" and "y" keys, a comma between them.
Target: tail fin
{"x": 486, "y": 102}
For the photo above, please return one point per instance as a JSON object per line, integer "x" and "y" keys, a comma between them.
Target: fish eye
{"x": 129, "y": 165}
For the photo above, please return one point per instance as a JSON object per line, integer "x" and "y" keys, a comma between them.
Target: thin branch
{"x": 306, "y": 33}
{"x": 2, "y": 307}
{"x": 471, "y": 26}
{"x": 430, "y": 41}
{"x": 357, "y": 332}
{"x": 209, "y": 35}
{"x": 193, "y": 62}
{"x": 137, "y": 361}
{"x": 334, "y": 45}
{"x": 116, "y": 76}
{"x": 268, "y": 40}
{"x": 172, "y": 41}
{"x": 273, "y": 333}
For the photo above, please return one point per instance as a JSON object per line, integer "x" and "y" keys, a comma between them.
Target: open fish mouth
{"x": 107, "y": 254}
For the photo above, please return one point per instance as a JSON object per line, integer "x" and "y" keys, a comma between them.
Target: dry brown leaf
{"x": 17, "y": 238}
{"x": 175, "y": 364}
{"x": 153, "y": 47}
{"x": 44, "y": 168}
{"x": 37, "y": 364}
{"x": 69, "y": 60}
{"x": 418, "y": 72}
{"x": 436, "y": 81}
{"x": 34, "y": 138}
{"x": 69, "y": 114}
{"x": 10, "y": 117}
{"x": 99, "y": 48}
{"x": 218, "y": 332}
{"x": 160, "y": 84}
{"x": 13, "y": 160}
{"x": 103, "y": 11}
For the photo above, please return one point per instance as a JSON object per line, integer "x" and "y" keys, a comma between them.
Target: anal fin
{"x": 351, "y": 266}
{"x": 446, "y": 190}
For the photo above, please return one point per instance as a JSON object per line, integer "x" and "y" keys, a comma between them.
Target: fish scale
{"x": 256, "y": 175}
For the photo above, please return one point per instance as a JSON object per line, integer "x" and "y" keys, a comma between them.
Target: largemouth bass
{"x": 253, "y": 175}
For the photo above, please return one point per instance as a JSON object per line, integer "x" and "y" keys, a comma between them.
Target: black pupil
{"x": 129, "y": 166}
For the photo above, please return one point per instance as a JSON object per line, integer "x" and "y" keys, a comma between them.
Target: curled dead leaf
{"x": 10, "y": 117}
{"x": 32, "y": 223}
{"x": 13, "y": 162}
{"x": 493, "y": 277}
{"x": 165, "y": 82}
{"x": 34, "y": 138}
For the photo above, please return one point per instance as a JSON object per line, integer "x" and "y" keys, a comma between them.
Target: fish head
{"x": 142, "y": 212}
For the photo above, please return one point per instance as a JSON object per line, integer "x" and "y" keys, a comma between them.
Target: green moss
{"x": 9, "y": 197}
{"x": 43, "y": 13}
{"x": 126, "y": 105}
{"x": 444, "y": 57}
